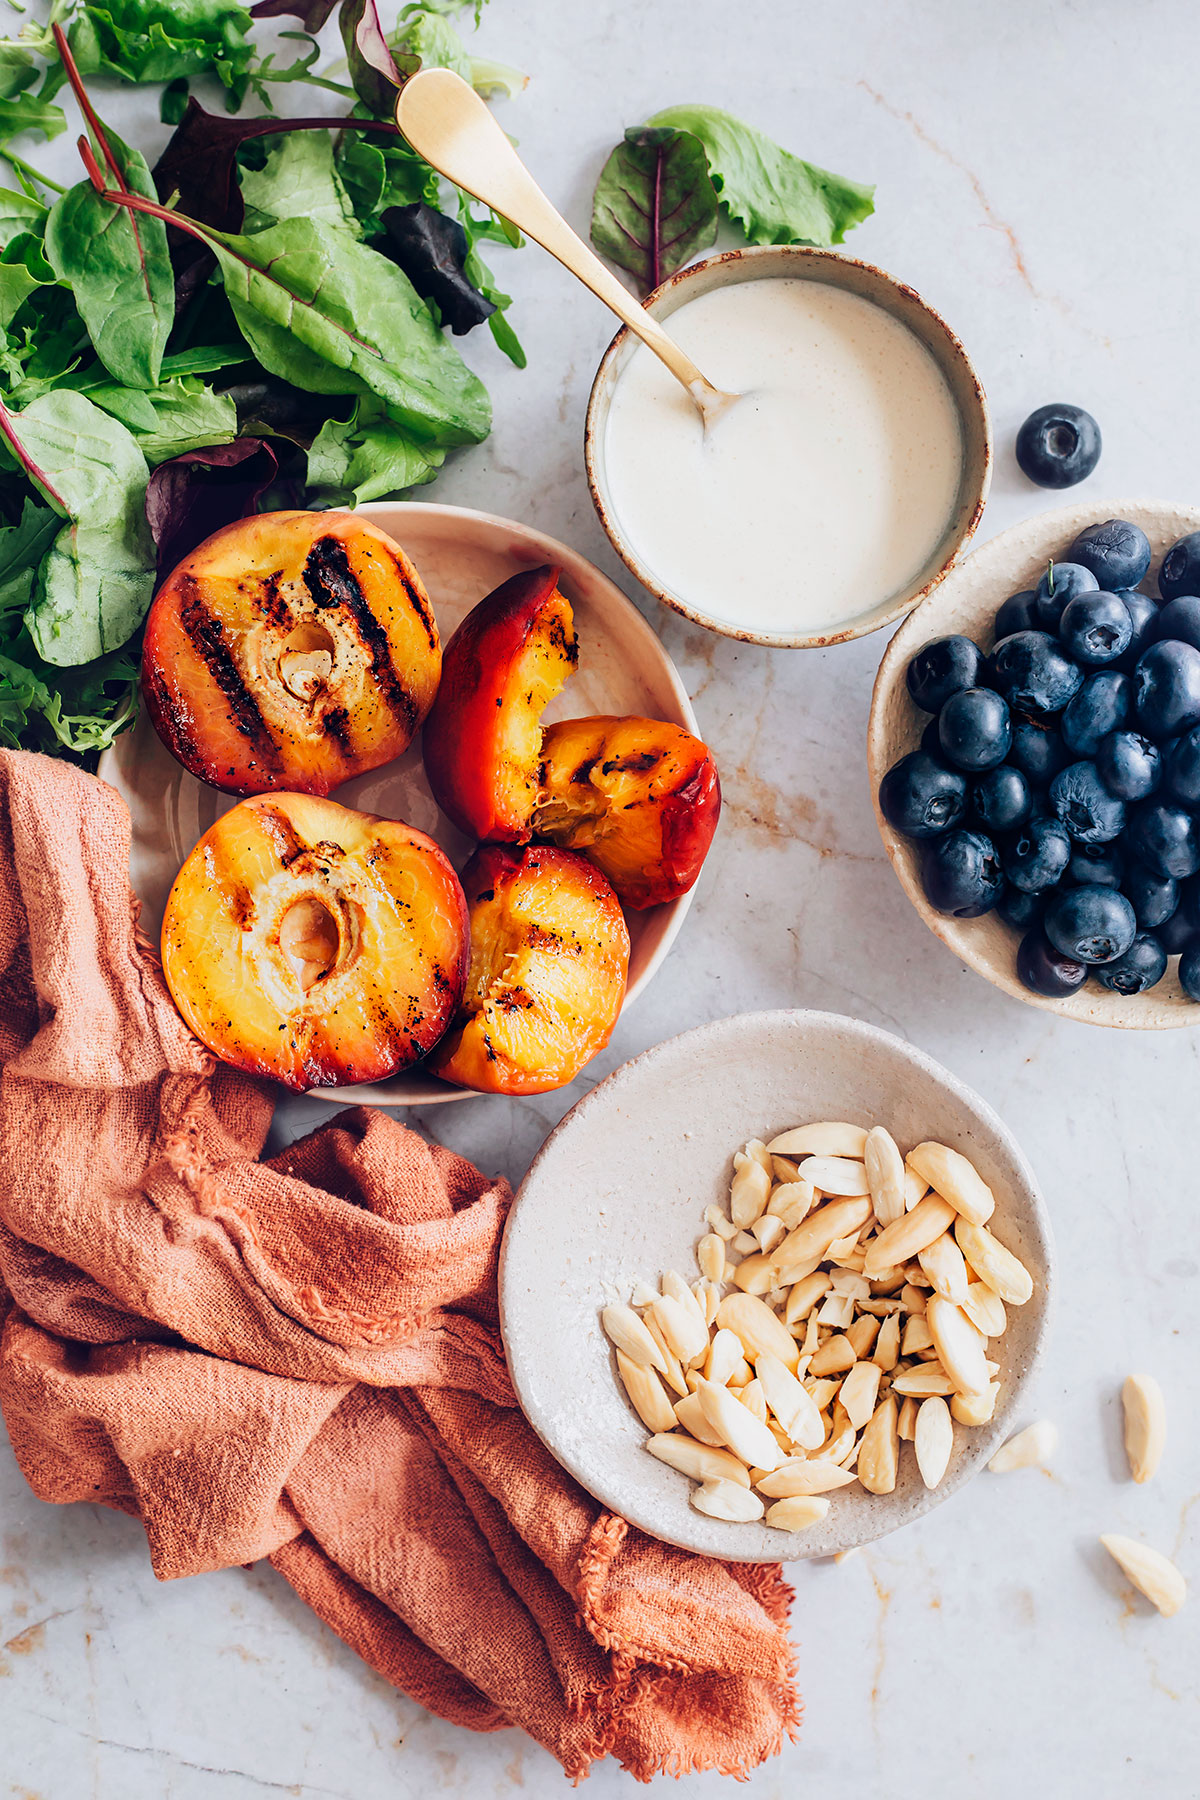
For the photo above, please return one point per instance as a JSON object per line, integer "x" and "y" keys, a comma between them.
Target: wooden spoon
{"x": 448, "y": 124}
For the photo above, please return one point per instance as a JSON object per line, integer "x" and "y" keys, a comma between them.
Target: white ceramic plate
{"x": 617, "y": 1194}
{"x": 966, "y": 602}
{"x": 462, "y": 555}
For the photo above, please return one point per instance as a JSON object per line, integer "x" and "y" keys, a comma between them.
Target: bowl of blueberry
{"x": 1034, "y": 752}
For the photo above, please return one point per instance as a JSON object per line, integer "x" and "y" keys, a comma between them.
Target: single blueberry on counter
{"x": 1096, "y": 865}
{"x": 1017, "y": 908}
{"x": 1036, "y": 857}
{"x": 1180, "y": 572}
{"x": 1080, "y": 799}
{"x": 1179, "y": 619}
{"x": 1037, "y": 750}
{"x": 1154, "y": 898}
{"x": 1019, "y": 613}
{"x": 1166, "y": 688}
{"x": 1032, "y": 672}
{"x": 1143, "y": 966}
{"x": 974, "y": 729}
{"x": 941, "y": 669}
{"x": 1058, "y": 445}
{"x": 1045, "y": 970}
{"x": 1090, "y": 924}
{"x": 920, "y": 796}
{"x": 1101, "y": 705}
{"x": 1000, "y": 799}
{"x": 1117, "y": 552}
{"x": 1143, "y": 616}
{"x": 1165, "y": 838}
{"x": 1181, "y": 769}
{"x": 1095, "y": 628}
{"x": 1189, "y": 969}
{"x": 1130, "y": 765}
{"x": 961, "y": 874}
{"x": 1062, "y": 583}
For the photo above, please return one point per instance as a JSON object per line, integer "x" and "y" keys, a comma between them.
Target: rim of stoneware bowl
{"x": 904, "y": 303}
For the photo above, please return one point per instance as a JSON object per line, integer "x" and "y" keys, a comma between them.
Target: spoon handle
{"x": 447, "y": 123}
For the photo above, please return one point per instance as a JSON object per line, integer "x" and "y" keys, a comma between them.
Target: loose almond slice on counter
{"x": 1149, "y": 1570}
{"x": 951, "y": 1174}
{"x": 831, "y": 1137}
{"x": 646, "y": 1394}
{"x": 698, "y": 1461}
{"x": 798, "y": 1513}
{"x": 1145, "y": 1425}
{"x": 1029, "y": 1449}
{"x": 727, "y": 1500}
{"x": 933, "y": 1440}
{"x": 627, "y": 1332}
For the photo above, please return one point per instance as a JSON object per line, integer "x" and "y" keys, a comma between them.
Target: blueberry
{"x": 931, "y": 743}
{"x": 1037, "y": 857}
{"x": 941, "y": 669}
{"x": 1175, "y": 933}
{"x": 961, "y": 874}
{"x": 1179, "y": 619}
{"x": 1143, "y": 615}
{"x": 1165, "y": 838}
{"x": 1189, "y": 903}
{"x": 1189, "y": 969}
{"x": 1033, "y": 674}
{"x": 1000, "y": 799}
{"x": 1143, "y": 965}
{"x": 920, "y": 796}
{"x": 1046, "y": 970}
{"x": 1154, "y": 898}
{"x": 1117, "y": 553}
{"x": 1181, "y": 769}
{"x": 1062, "y": 583}
{"x": 1037, "y": 750}
{"x": 1180, "y": 572}
{"x": 974, "y": 729}
{"x": 1080, "y": 799}
{"x": 1166, "y": 688}
{"x": 1100, "y": 706}
{"x": 1017, "y": 908}
{"x": 1058, "y": 446}
{"x": 1095, "y": 628}
{"x": 1096, "y": 865}
{"x": 1019, "y": 613}
{"x": 1130, "y": 765}
{"x": 1091, "y": 924}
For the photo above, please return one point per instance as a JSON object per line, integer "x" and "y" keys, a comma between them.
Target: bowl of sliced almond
{"x": 776, "y": 1287}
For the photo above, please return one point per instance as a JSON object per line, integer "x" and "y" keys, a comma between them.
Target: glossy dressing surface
{"x": 823, "y": 491}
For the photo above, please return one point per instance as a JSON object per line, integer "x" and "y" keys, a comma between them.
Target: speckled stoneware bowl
{"x": 617, "y": 1194}
{"x": 769, "y": 262}
{"x": 966, "y": 602}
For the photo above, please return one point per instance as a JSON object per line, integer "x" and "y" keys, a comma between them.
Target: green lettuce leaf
{"x": 655, "y": 205}
{"x": 23, "y": 269}
{"x": 774, "y": 196}
{"x": 165, "y": 40}
{"x": 19, "y": 212}
{"x": 378, "y": 175}
{"x": 179, "y": 415}
{"x": 22, "y": 547}
{"x": 367, "y": 457}
{"x": 297, "y": 180}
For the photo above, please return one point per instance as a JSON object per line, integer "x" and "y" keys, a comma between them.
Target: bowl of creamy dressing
{"x": 839, "y": 490}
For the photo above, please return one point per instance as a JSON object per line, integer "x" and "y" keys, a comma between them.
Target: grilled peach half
{"x": 290, "y": 651}
{"x": 640, "y": 798}
{"x": 549, "y": 959}
{"x": 482, "y": 741}
{"x": 314, "y": 944}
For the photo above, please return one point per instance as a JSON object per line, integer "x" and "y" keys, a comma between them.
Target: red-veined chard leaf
{"x": 432, "y": 249}
{"x": 655, "y": 205}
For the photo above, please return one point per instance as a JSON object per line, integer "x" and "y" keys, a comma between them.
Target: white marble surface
{"x": 1036, "y": 168}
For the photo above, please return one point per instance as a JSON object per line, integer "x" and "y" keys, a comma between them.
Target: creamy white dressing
{"x": 822, "y": 493}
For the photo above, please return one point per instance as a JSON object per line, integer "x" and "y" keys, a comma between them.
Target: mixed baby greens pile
{"x": 261, "y": 318}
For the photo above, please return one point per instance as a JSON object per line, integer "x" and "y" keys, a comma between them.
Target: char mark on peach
{"x": 207, "y": 637}
{"x": 332, "y": 582}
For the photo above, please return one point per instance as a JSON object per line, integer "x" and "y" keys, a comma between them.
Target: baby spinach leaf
{"x": 165, "y": 40}
{"x": 775, "y": 197}
{"x": 432, "y": 249}
{"x": 655, "y": 206}
{"x": 194, "y": 494}
{"x": 367, "y": 457}
{"x": 19, "y": 212}
{"x": 118, "y": 266}
{"x": 297, "y": 180}
{"x": 94, "y": 584}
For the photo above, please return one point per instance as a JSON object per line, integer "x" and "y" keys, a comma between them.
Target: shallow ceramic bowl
{"x": 772, "y": 262}
{"x": 462, "y": 555}
{"x": 617, "y": 1194}
{"x": 966, "y": 603}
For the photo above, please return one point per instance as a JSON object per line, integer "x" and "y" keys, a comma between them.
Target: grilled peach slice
{"x": 290, "y": 651}
{"x": 482, "y": 740}
{"x": 549, "y": 957}
{"x": 314, "y": 944}
{"x": 638, "y": 797}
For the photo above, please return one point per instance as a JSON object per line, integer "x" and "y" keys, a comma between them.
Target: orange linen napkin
{"x": 300, "y": 1359}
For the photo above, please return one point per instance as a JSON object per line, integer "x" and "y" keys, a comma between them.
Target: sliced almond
{"x": 859, "y": 1392}
{"x": 906, "y": 1424}
{"x": 840, "y": 1175}
{"x": 698, "y": 1461}
{"x": 677, "y": 1288}
{"x": 727, "y": 1500}
{"x": 1145, "y": 1425}
{"x": 748, "y": 1191}
{"x": 877, "y": 1451}
{"x": 690, "y": 1414}
{"x": 835, "y": 1354}
{"x": 933, "y": 1440}
{"x": 683, "y": 1327}
{"x": 915, "y": 1188}
{"x": 737, "y": 1427}
{"x": 769, "y": 1231}
{"x": 885, "y": 1174}
{"x": 975, "y": 1409}
{"x": 985, "y": 1309}
{"x": 805, "y": 1294}
{"x": 1029, "y": 1449}
{"x": 1150, "y": 1571}
{"x": 708, "y": 1293}
{"x": 724, "y": 1355}
{"x": 710, "y": 1256}
{"x": 741, "y": 1375}
{"x": 913, "y": 1298}
{"x": 818, "y": 1231}
{"x": 813, "y": 1475}
{"x": 917, "y": 1335}
{"x": 646, "y": 1394}
{"x": 673, "y": 1373}
{"x": 1003, "y": 1272}
{"x": 887, "y": 1344}
{"x": 847, "y": 1251}
{"x": 629, "y": 1334}
{"x": 798, "y": 1513}
{"x": 758, "y": 1328}
{"x": 755, "y": 1274}
{"x": 752, "y": 1397}
{"x": 790, "y": 1402}
{"x": 862, "y": 1334}
{"x": 958, "y": 1344}
{"x": 820, "y": 1390}
{"x": 921, "y": 1382}
{"x": 946, "y": 1268}
{"x": 831, "y": 1137}
{"x": 643, "y": 1294}
{"x": 784, "y": 1169}
{"x": 836, "y": 1310}
{"x": 903, "y": 1239}
{"x": 719, "y": 1222}
{"x": 791, "y": 1202}
{"x": 953, "y": 1176}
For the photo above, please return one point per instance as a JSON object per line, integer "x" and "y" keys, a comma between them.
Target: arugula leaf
{"x": 180, "y": 416}
{"x": 194, "y": 494}
{"x": 92, "y": 589}
{"x": 367, "y": 457}
{"x": 432, "y": 249}
{"x": 655, "y": 205}
{"x": 297, "y": 180}
{"x": 480, "y": 276}
{"x": 165, "y": 40}
{"x": 775, "y": 197}
{"x": 119, "y": 268}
